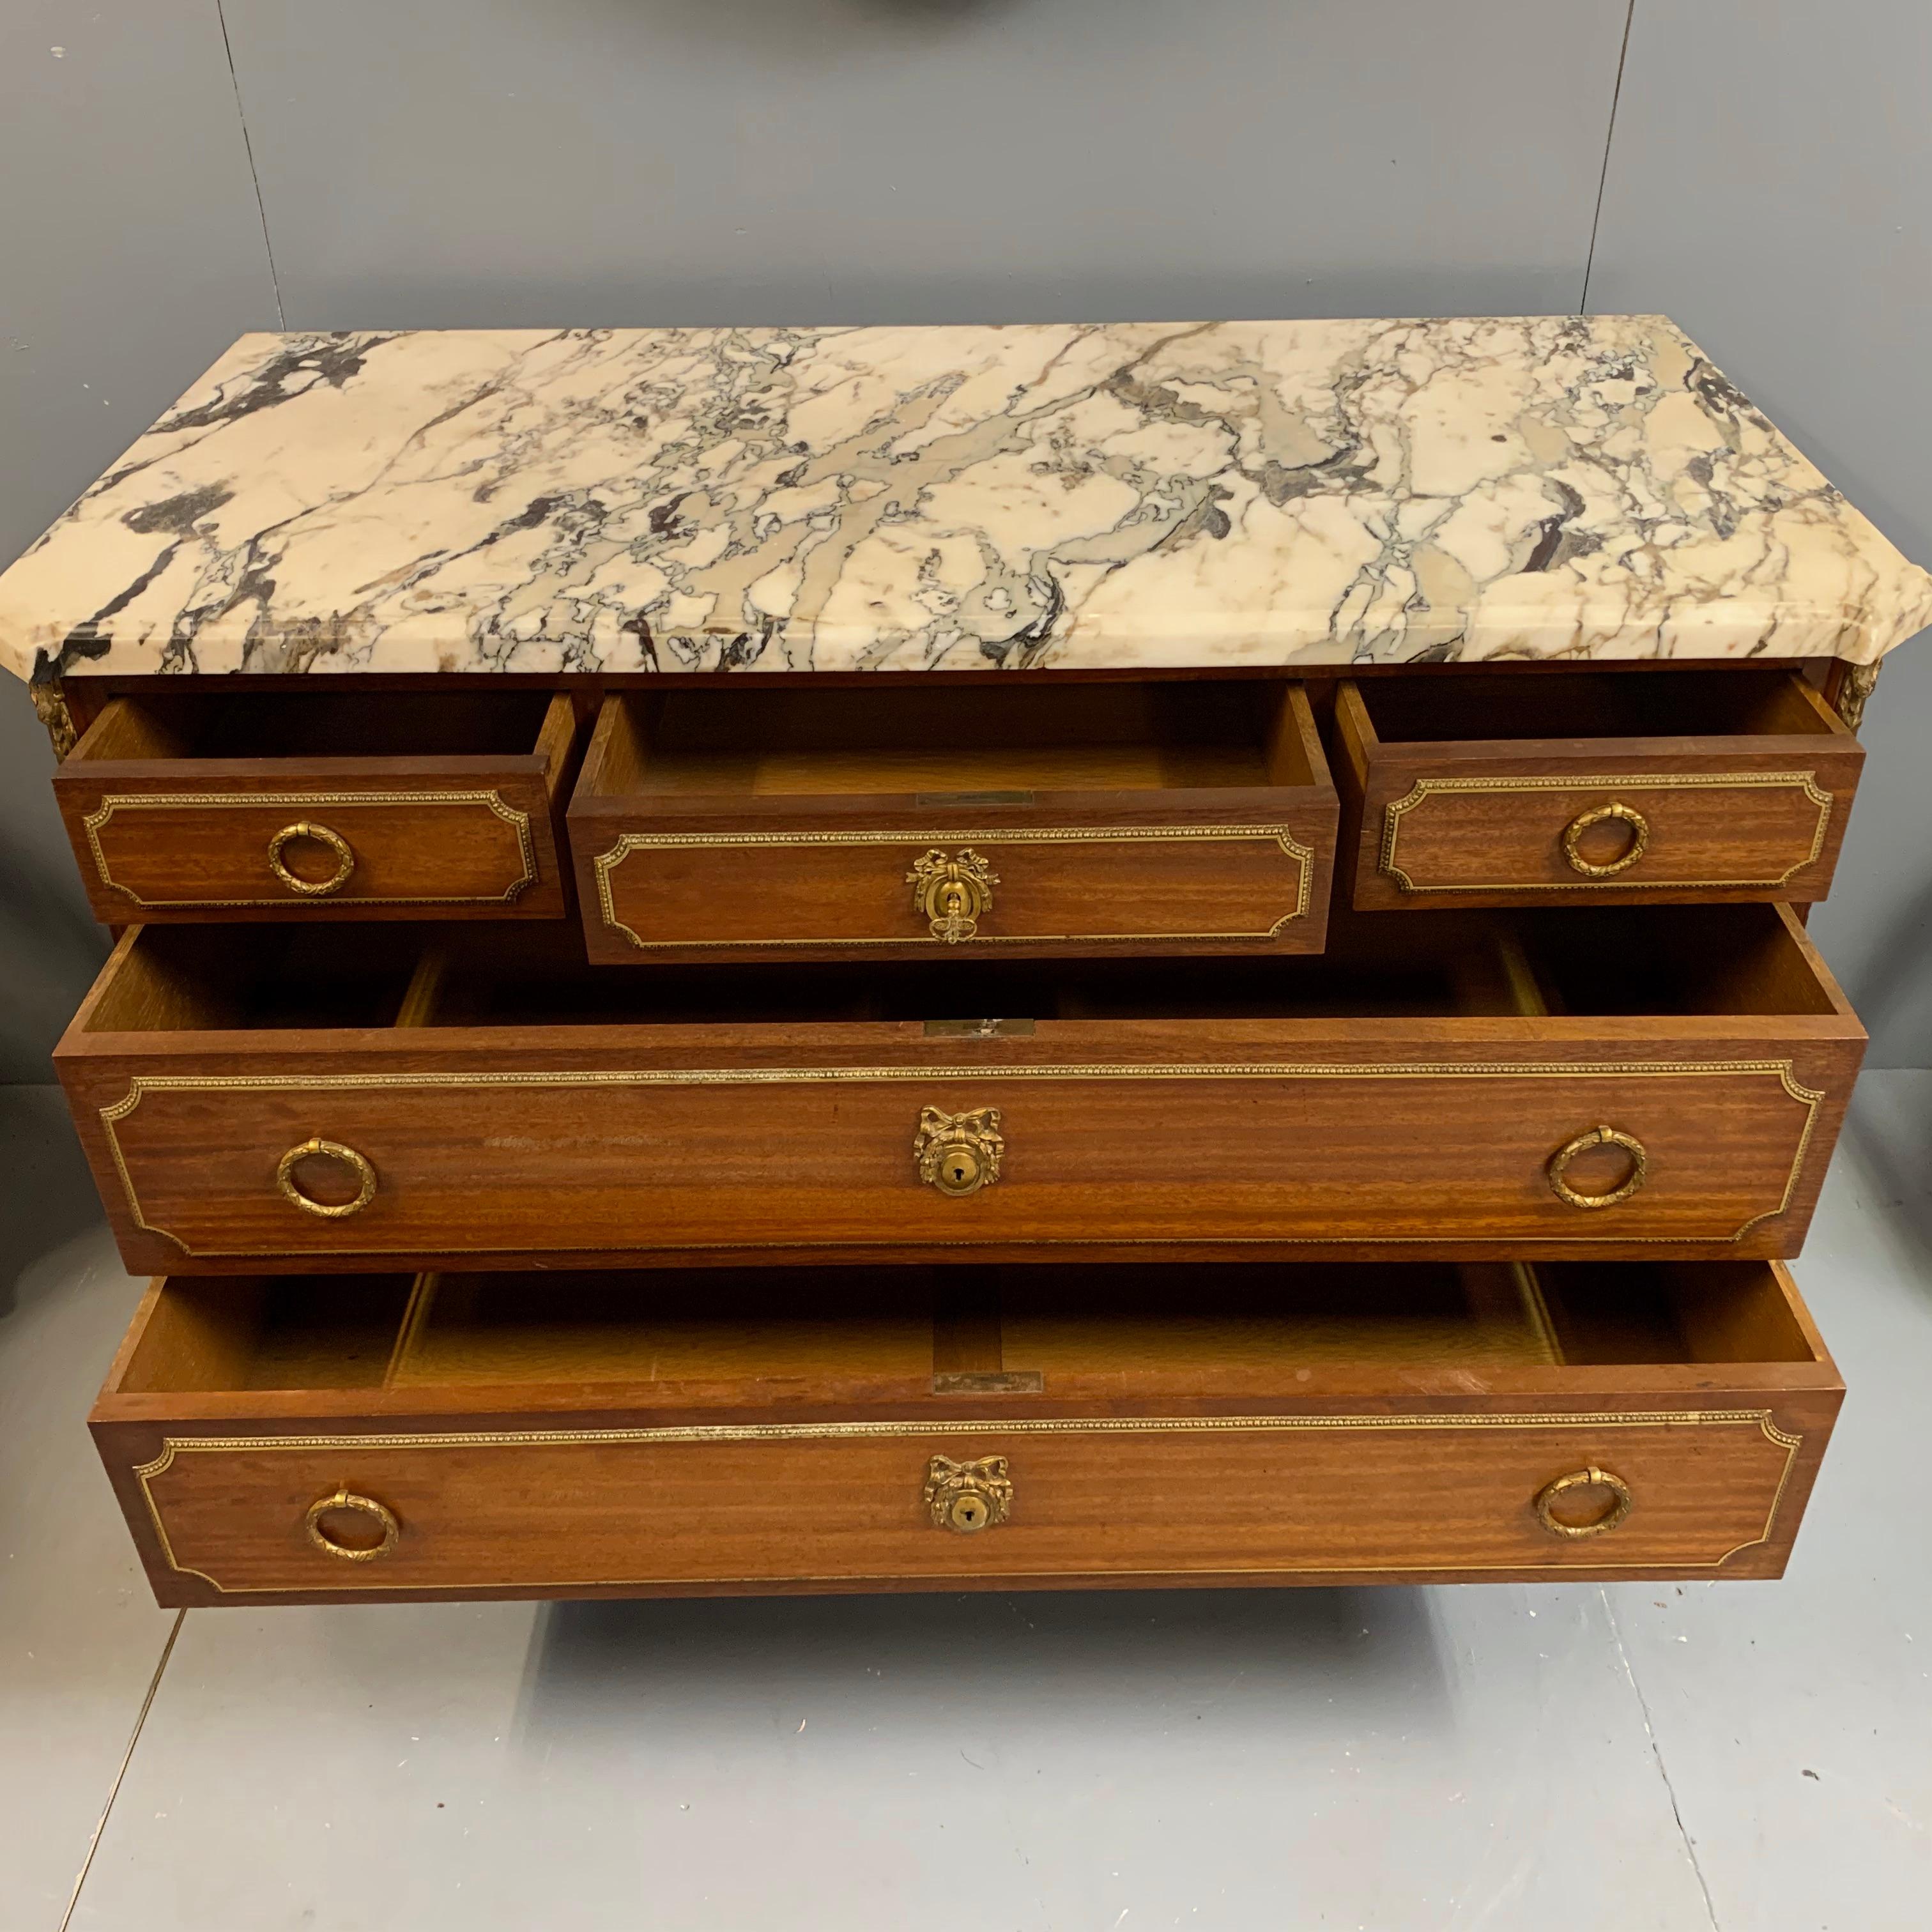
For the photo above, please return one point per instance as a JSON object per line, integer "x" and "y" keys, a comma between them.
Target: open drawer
{"x": 1481, "y": 789}
{"x": 1004, "y": 816}
{"x": 1595, "y": 1082}
{"x": 330, "y": 803}
{"x": 947, "y": 1429}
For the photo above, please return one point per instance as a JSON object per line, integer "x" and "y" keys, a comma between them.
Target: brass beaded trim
{"x": 605, "y": 863}
{"x": 1425, "y": 789}
{"x": 141, "y": 1085}
{"x": 492, "y": 801}
{"x": 172, "y": 1446}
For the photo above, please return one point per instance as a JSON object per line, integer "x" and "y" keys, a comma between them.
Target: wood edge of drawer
{"x": 174, "y": 1590}
{"x": 1451, "y": 1391}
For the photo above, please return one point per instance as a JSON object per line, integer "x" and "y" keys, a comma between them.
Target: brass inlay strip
{"x": 606, "y": 863}
{"x": 1425, "y": 789}
{"x": 492, "y": 801}
{"x": 817, "y": 1432}
{"x": 141, "y": 1085}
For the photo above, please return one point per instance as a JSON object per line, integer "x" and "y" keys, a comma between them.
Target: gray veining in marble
{"x": 1224, "y": 494}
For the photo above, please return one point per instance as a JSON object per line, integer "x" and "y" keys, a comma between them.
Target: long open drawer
{"x": 1586, "y": 1084}
{"x": 277, "y": 1439}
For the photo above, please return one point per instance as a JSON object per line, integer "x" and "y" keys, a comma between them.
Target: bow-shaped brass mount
{"x": 968, "y": 1497}
{"x": 958, "y": 1153}
{"x": 951, "y": 894}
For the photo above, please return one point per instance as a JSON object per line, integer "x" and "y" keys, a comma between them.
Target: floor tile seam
{"x": 1657, "y": 1755}
{"x": 126, "y": 1759}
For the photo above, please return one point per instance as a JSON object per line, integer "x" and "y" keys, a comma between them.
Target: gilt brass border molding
{"x": 1426, "y": 788}
{"x": 141, "y": 1085}
{"x": 605, "y": 863}
{"x": 491, "y": 800}
{"x": 174, "y": 1446}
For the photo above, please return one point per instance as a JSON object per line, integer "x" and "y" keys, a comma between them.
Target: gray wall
{"x": 442, "y": 162}
{"x": 1770, "y": 185}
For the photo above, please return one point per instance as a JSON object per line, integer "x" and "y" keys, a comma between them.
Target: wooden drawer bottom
{"x": 1028, "y": 1428}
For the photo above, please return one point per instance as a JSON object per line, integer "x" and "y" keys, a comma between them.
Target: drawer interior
{"x": 999, "y": 735}
{"x": 1579, "y": 962}
{"x": 324, "y": 723}
{"x": 839, "y": 1334}
{"x": 1583, "y": 704}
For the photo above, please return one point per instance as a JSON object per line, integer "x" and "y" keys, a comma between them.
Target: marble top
{"x": 1223, "y": 494}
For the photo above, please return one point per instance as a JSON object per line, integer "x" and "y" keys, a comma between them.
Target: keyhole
{"x": 959, "y": 1170}
{"x": 969, "y": 1513}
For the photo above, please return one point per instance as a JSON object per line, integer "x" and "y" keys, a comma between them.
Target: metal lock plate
{"x": 958, "y": 1153}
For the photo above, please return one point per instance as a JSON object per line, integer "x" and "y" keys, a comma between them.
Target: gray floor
{"x": 1753, "y": 1755}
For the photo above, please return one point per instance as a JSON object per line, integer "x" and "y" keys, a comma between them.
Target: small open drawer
{"x": 1023, "y": 818}
{"x": 587, "y": 1435}
{"x": 330, "y": 803}
{"x": 1524, "y": 789}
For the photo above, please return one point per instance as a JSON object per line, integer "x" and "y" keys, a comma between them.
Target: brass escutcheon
{"x": 364, "y": 1174}
{"x": 1627, "y": 815}
{"x": 345, "y": 859}
{"x": 958, "y": 1153}
{"x": 968, "y": 1497}
{"x": 1559, "y": 1163}
{"x": 342, "y": 1500}
{"x": 951, "y": 894}
{"x": 1592, "y": 1478}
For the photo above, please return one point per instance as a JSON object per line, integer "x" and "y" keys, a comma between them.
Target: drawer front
{"x": 1273, "y": 1497}
{"x": 859, "y": 1158}
{"x": 1605, "y": 833}
{"x": 322, "y": 806}
{"x": 1745, "y": 812}
{"x": 348, "y": 851}
{"x": 1233, "y": 887}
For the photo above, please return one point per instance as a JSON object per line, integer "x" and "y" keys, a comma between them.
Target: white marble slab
{"x": 1221, "y": 494}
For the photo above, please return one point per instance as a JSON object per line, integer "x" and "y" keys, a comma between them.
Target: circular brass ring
{"x": 362, "y": 1506}
{"x": 1559, "y": 1163}
{"x": 345, "y": 859}
{"x": 364, "y": 1174}
{"x": 1584, "y": 1479}
{"x": 1627, "y": 815}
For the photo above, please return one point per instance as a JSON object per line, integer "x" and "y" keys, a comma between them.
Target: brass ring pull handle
{"x": 951, "y": 894}
{"x": 365, "y": 1178}
{"x": 958, "y": 1153}
{"x": 1559, "y": 1163}
{"x": 345, "y": 859}
{"x": 1625, "y": 814}
{"x": 968, "y": 1497}
{"x": 1591, "y": 1478}
{"x": 342, "y": 1501}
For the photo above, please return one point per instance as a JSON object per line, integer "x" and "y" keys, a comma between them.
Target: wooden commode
{"x": 780, "y": 959}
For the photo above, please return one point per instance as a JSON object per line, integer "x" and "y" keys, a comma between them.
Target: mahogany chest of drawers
{"x": 830, "y": 996}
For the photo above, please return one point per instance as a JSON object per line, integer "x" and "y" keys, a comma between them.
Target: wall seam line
{"x": 255, "y": 178}
{"x": 1603, "y": 174}
{"x": 126, "y": 1759}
